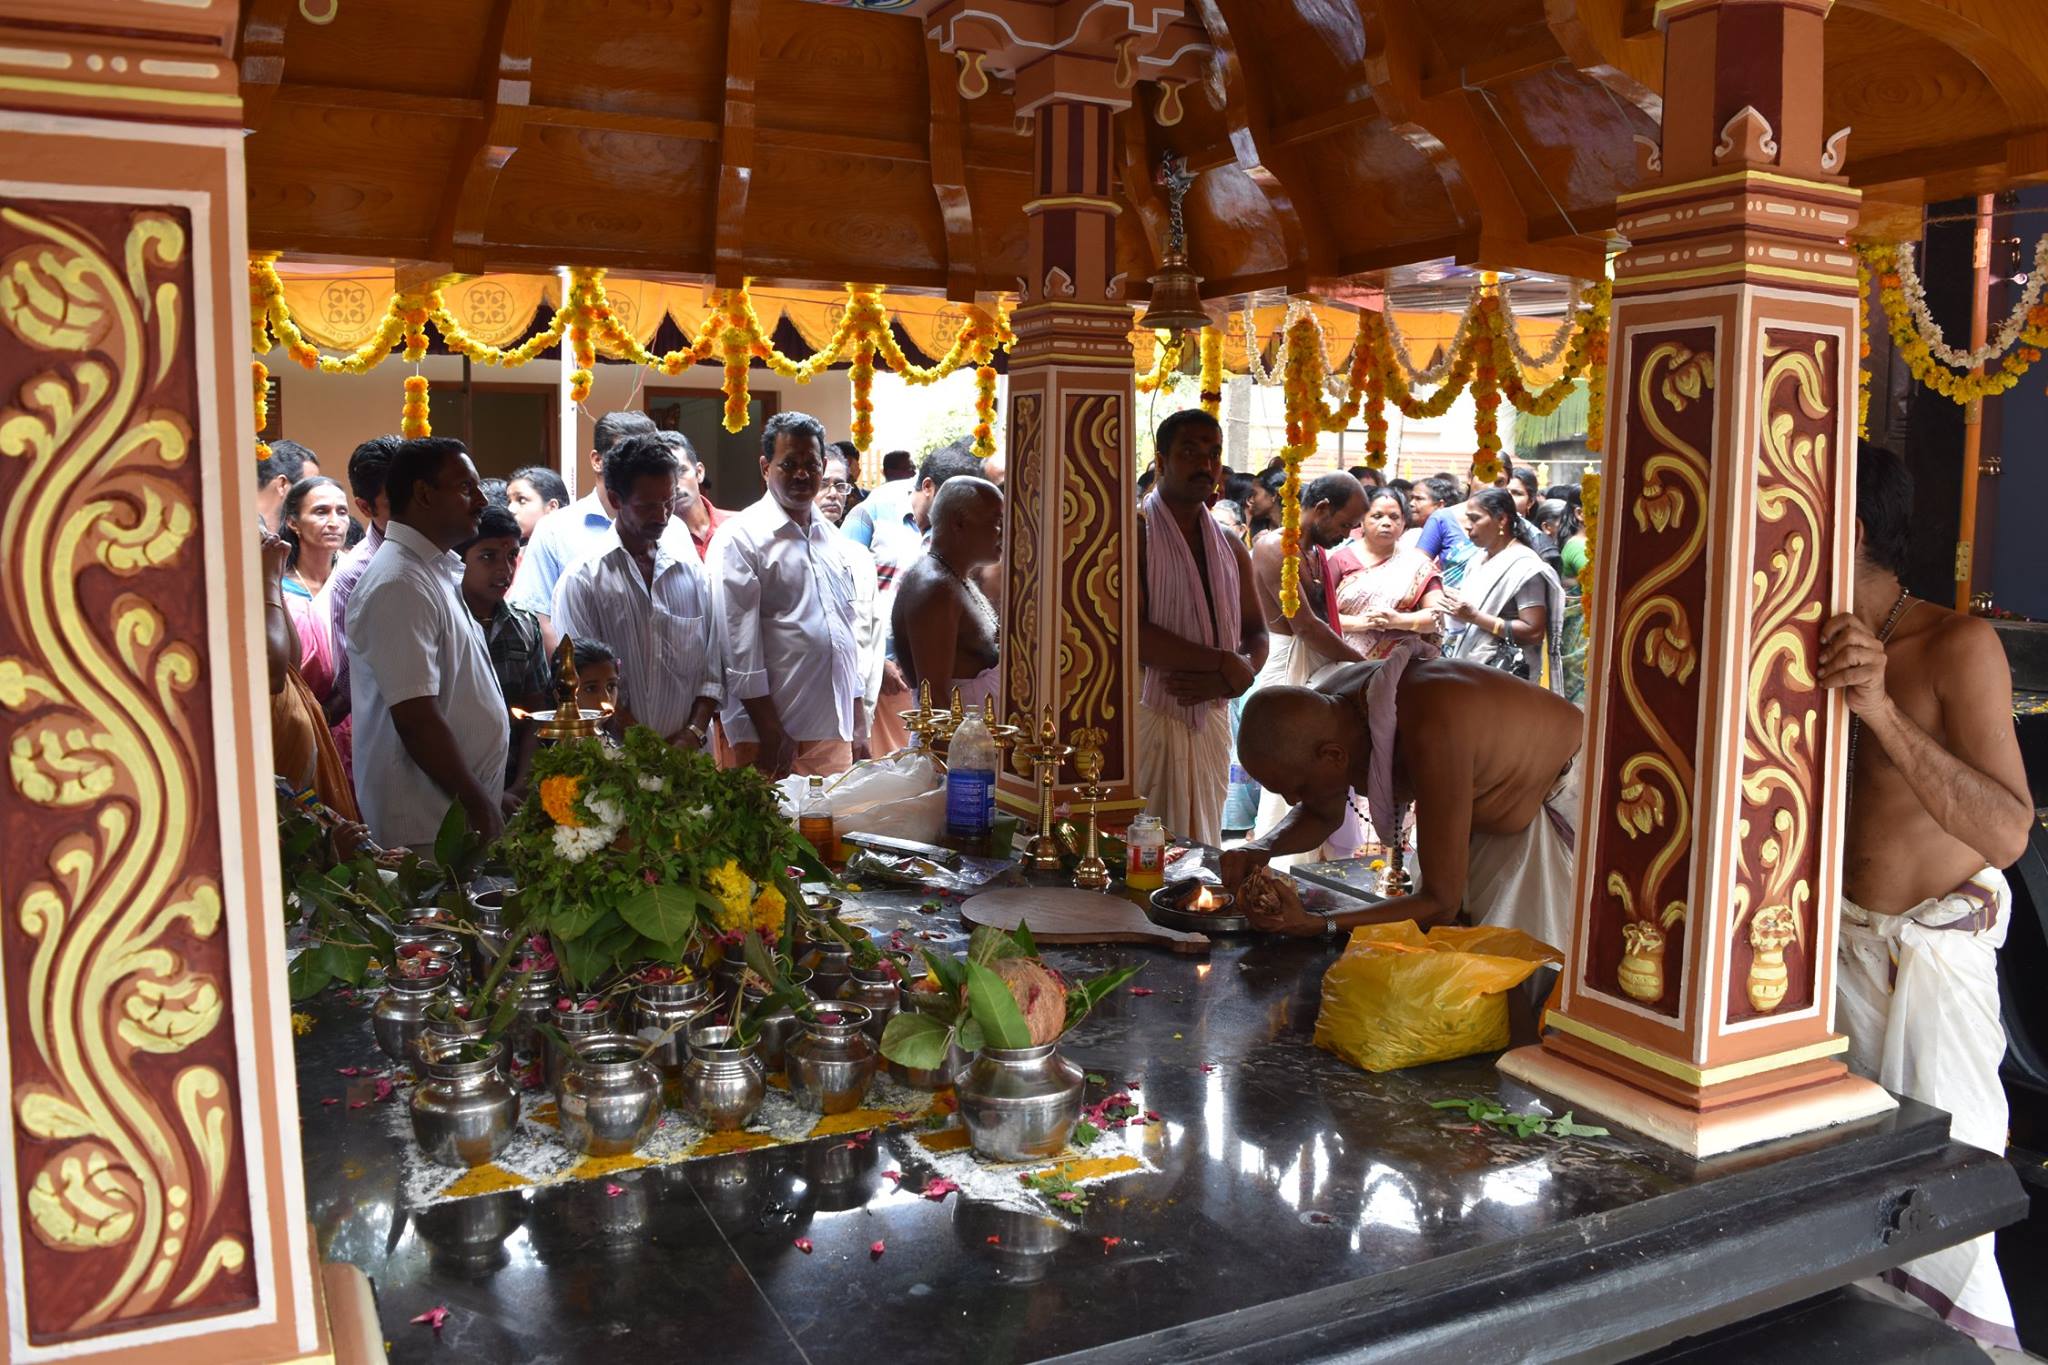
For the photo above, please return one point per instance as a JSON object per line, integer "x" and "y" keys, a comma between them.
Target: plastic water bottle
{"x": 971, "y": 786}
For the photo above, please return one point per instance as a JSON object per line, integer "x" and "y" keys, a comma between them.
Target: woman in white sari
{"x": 1511, "y": 600}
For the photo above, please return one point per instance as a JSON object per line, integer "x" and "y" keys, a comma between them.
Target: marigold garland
{"x": 413, "y": 422}
{"x": 1486, "y": 389}
{"x": 1918, "y": 353}
{"x": 1599, "y": 303}
{"x": 1212, "y": 370}
{"x": 1863, "y": 309}
{"x": 1166, "y": 359}
{"x": 259, "y": 375}
{"x": 1589, "y": 511}
{"x": 984, "y": 410}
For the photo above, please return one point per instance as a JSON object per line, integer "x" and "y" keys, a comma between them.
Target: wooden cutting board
{"x": 1064, "y": 915}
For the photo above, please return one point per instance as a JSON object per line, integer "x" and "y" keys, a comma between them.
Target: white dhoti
{"x": 1524, "y": 880}
{"x": 1917, "y": 995}
{"x": 1290, "y": 663}
{"x": 1184, "y": 772}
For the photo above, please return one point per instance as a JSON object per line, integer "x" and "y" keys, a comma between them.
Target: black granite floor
{"x": 1292, "y": 1194}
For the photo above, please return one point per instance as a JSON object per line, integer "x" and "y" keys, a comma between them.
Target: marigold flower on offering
{"x": 768, "y": 909}
{"x": 734, "y": 892}
{"x": 558, "y": 798}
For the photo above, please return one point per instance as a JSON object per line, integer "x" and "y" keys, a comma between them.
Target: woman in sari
{"x": 1384, "y": 595}
{"x": 1510, "y": 600}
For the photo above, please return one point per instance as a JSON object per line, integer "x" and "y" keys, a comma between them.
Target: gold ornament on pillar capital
{"x": 1176, "y": 302}
{"x": 569, "y": 721}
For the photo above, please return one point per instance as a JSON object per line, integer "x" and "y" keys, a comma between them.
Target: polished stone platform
{"x": 1300, "y": 1210}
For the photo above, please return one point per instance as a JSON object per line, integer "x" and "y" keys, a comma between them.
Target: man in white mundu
{"x": 1937, "y": 805}
{"x": 1201, "y": 637}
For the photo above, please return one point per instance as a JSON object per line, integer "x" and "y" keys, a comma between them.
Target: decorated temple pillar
{"x": 1698, "y": 1001}
{"x": 1070, "y": 628}
{"x": 153, "y": 1204}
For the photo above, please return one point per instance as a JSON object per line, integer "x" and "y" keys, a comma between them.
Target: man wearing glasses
{"x": 786, "y": 601}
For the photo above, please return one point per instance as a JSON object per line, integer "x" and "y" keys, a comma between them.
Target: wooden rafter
{"x": 459, "y": 236}
{"x": 262, "y": 56}
{"x": 736, "y": 142}
{"x": 1278, "y": 172}
{"x": 949, "y": 173}
{"x": 1135, "y": 183}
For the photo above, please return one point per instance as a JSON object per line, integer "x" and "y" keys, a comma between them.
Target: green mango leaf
{"x": 348, "y": 962}
{"x": 308, "y": 974}
{"x": 989, "y": 944}
{"x": 951, "y": 971}
{"x": 971, "y": 1039}
{"x": 508, "y": 1007}
{"x": 917, "y": 1041}
{"x": 666, "y": 914}
{"x": 587, "y": 958}
{"x": 1083, "y": 996}
{"x": 994, "y": 1008}
{"x": 1021, "y": 935}
{"x": 452, "y": 835}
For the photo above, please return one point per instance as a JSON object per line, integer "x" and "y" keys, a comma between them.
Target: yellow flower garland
{"x": 1212, "y": 370}
{"x": 1589, "y": 510}
{"x": 1301, "y": 384}
{"x": 259, "y": 374}
{"x": 1165, "y": 360}
{"x": 1599, "y": 300}
{"x": 413, "y": 422}
{"x": 1863, "y": 307}
{"x": 984, "y": 410}
{"x": 1962, "y": 389}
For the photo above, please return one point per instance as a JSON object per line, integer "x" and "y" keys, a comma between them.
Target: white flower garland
{"x": 1255, "y": 366}
{"x": 1555, "y": 350}
{"x": 2008, "y": 332}
{"x": 1437, "y": 373}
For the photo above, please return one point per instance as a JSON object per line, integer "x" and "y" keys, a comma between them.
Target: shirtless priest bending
{"x": 1489, "y": 761}
{"x": 1938, "y": 805}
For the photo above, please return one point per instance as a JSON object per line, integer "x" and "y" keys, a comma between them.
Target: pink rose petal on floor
{"x": 877, "y": 1248}
{"x": 1109, "y": 1242}
{"x": 433, "y": 1318}
{"x": 330, "y": 1101}
{"x": 385, "y": 1090}
{"x": 614, "y": 1190}
{"x": 994, "y": 1240}
{"x": 1140, "y": 990}
{"x": 902, "y": 1115}
{"x": 1065, "y": 1196}
{"x": 357, "y": 1104}
{"x": 896, "y": 1176}
{"x": 1208, "y": 1067}
{"x": 349, "y": 1070}
{"x": 938, "y": 1188}
{"x": 803, "y": 1244}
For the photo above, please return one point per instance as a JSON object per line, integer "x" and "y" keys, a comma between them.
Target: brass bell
{"x": 1176, "y": 303}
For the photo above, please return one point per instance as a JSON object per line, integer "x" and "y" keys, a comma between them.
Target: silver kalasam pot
{"x": 1020, "y": 1104}
{"x": 573, "y": 1025}
{"x": 610, "y": 1099}
{"x": 463, "y": 1111}
{"x": 664, "y": 1010}
{"x": 876, "y": 989}
{"x": 400, "y": 1015}
{"x": 833, "y": 1060}
{"x": 724, "y": 1082}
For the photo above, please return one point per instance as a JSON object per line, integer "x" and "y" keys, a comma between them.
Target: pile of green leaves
{"x": 1496, "y": 1116}
{"x": 348, "y": 908}
{"x": 974, "y": 1005}
{"x": 645, "y": 897}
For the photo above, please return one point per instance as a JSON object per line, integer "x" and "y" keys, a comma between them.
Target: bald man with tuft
{"x": 1489, "y": 761}
{"x": 946, "y": 630}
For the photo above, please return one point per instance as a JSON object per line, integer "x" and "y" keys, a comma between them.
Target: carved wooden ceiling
{"x": 812, "y": 143}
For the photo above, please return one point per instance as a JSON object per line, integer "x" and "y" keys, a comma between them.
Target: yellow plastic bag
{"x": 1398, "y": 998}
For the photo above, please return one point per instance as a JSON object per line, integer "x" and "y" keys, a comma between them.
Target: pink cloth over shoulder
{"x": 1174, "y": 600}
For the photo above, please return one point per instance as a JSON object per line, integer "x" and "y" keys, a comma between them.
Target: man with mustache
{"x": 1201, "y": 635}
{"x": 785, "y": 599}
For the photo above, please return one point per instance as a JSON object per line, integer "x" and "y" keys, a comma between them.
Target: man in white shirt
{"x": 568, "y": 535}
{"x": 429, "y": 716}
{"x": 786, "y": 602}
{"x": 644, "y": 593}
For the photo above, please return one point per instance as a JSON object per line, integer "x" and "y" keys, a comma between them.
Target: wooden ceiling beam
{"x": 378, "y": 101}
{"x": 1445, "y": 128}
{"x": 736, "y": 142}
{"x": 1462, "y": 245}
{"x": 949, "y": 173}
{"x": 1352, "y": 113}
{"x": 261, "y": 59}
{"x": 459, "y": 237}
{"x": 1279, "y": 172}
{"x": 1533, "y": 57}
{"x": 1134, "y": 179}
